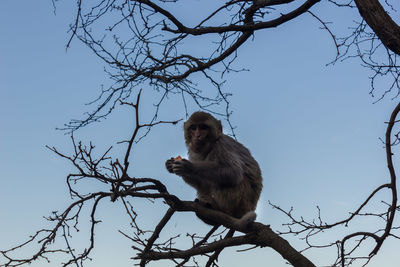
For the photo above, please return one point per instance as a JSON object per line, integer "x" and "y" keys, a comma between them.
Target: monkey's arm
{"x": 209, "y": 171}
{"x": 168, "y": 164}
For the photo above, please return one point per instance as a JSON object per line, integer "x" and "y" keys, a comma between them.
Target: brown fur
{"x": 223, "y": 172}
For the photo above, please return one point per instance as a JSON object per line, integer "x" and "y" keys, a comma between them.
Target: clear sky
{"x": 313, "y": 129}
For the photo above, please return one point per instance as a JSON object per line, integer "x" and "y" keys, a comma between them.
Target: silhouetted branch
{"x": 114, "y": 175}
{"x": 312, "y": 228}
{"x": 381, "y": 23}
{"x": 143, "y": 42}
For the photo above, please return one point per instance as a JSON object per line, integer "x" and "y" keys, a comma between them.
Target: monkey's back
{"x": 236, "y": 200}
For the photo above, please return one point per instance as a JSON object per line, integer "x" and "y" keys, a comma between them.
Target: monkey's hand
{"x": 168, "y": 164}
{"x": 182, "y": 167}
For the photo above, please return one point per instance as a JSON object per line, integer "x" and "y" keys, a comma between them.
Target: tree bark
{"x": 264, "y": 236}
{"x": 381, "y": 23}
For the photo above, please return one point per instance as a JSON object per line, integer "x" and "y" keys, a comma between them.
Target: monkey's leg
{"x": 206, "y": 220}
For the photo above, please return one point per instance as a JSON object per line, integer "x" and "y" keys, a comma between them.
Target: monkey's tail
{"x": 246, "y": 219}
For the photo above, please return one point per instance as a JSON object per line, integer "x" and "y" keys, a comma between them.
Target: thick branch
{"x": 257, "y": 234}
{"x": 381, "y": 23}
{"x": 262, "y": 236}
{"x": 244, "y": 27}
{"x": 393, "y": 186}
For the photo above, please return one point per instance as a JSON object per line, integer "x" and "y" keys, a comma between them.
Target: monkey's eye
{"x": 200, "y": 126}
{"x": 203, "y": 126}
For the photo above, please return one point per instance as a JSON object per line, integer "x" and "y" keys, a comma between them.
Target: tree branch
{"x": 381, "y": 23}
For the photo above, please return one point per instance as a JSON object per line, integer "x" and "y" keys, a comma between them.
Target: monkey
{"x": 225, "y": 175}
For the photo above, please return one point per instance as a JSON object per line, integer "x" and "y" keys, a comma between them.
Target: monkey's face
{"x": 198, "y": 134}
{"x": 201, "y": 132}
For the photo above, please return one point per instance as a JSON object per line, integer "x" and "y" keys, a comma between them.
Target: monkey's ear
{"x": 219, "y": 124}
{"x": 186, "y": 132}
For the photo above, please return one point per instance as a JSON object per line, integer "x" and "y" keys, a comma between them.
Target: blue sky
{"x": 313, "y": 129}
